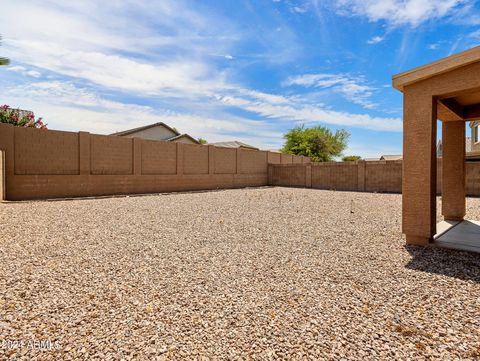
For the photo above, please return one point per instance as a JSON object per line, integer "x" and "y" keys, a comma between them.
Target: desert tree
{"x": 319, "y": 143}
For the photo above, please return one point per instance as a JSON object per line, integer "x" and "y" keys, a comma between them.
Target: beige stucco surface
{"x": 445, "y": 90}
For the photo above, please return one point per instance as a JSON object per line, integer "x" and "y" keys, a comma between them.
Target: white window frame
{"x": 476, "y": 138}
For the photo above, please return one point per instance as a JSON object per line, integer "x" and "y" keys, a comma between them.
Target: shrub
{"x": 20, "y": 118}
{"x": 351, "y": 158}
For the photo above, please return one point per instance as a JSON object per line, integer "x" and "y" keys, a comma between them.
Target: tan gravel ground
{"x": 255, "y": 273}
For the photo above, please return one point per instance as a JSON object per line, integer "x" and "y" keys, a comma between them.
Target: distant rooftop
{"x": 134, "y": 130}
{"x": 234, "y": 144}
{"x": 391, "y": 157}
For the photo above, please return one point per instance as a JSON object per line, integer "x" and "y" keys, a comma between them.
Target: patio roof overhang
{"x": 449, "y": 90}
{"x": 463, "y": 106}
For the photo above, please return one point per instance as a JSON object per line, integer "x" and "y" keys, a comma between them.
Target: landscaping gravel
{"x": 267, "y": 273}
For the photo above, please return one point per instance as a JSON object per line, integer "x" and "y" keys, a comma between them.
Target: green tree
{"x": 351, "y": 158}
{"x": 319, "y": 143}
{"x": 3, "y": 61}
{"x": 202, "y": 141}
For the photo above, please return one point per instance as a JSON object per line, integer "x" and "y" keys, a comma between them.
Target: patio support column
{"x": 453, "y": 171}
{"x": 419, "y": 166}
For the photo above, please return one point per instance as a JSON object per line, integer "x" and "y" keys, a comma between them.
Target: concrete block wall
{"x": 42, "y": 155}
{"x": 289, "y": 175}
{"x": 158, "y": 158}
{"x": 286, "y": 158}
{"x": 195, "y": 159}
{"x": 109, "y": 156}
{"x": 251, "y": 161}
{"x": 41, "y": 164}
{"x": 472, "y": 178}
{"x": 376, "y": 176}
{"x": 383, "y": 176}
{"x": 2, "y": 175}
{"x": 274, "y": 158}
{"x": 333, "y": 175}
{"x": 225, "y": 161}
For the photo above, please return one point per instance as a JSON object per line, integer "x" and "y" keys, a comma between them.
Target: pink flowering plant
{"x": 20, "y": 118}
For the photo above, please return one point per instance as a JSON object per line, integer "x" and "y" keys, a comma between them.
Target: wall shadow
{"x": 448, "y": 262}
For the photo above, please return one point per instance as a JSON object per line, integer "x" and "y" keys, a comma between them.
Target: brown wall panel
{"x": 290, "y": 175}
{"x": 111, "y": 155}
{"x": 195, "y": 159}
{"x": 297, "y": 159}
{"x": 2, "y": 175}
{"x": 473, "y": 178}
{"x": 225, "y": 160}
{"x": 376, "y": 176}
{"x": 331, "y": 175}
{"x": 274, "y": 158}
{"x": 321, "y": 176}
{"x": 159, "y": 157}
{"x": 252, "y": 161}
{"x": 45, "y": 152}
{"x": 383, "y": 176}
{"x": 83, "y": 165}
{"x": 286, "y": 158}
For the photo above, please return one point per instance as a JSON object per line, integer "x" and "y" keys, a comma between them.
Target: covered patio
{"x": 446, "y": 90}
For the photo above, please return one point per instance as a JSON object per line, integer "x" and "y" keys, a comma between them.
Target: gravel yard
{"x": 253, "y": 273}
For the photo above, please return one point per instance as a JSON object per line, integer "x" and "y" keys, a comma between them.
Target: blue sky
{"x": 224, "y": 70}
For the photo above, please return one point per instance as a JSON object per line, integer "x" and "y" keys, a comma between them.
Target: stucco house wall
{"x": 155, "y": 133}
{"x": 475, "y": 127}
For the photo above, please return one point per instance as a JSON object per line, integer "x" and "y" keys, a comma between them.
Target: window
{"x": 475, "y": 133}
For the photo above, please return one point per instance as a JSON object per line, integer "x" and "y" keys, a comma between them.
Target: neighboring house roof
{"x": 391, "y": 157}
{"x": 180, "y": 136}
{"x": 135, "y": 130}
{"x": 371, "y": 159}
{"x": 166, "y": 137}
{"x": 233, "y": 144}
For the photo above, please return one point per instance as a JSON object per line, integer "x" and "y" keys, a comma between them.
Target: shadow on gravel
{"x": 448, "y": 262}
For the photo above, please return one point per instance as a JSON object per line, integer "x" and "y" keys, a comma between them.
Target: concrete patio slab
{"x": 463, "y": 236}
{"x": 443, "y": 227}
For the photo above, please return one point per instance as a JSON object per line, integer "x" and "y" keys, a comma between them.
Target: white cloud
{"x": 67, "y": 107}
{"x": 475, "y": 35}
{"x": 128, "y": 26}
{"x": 118, "y": 72}
{"x": 33, "y": 73}
{"x": 300, "y": 9}
{"x": 297, "y": 110}
{"x": 399, "y": 12}
{"x": 110, "y": 48}
{"x": 375, "y": 40}
{"x": 24, "y": 71}
{"x": 352, "y": 88}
